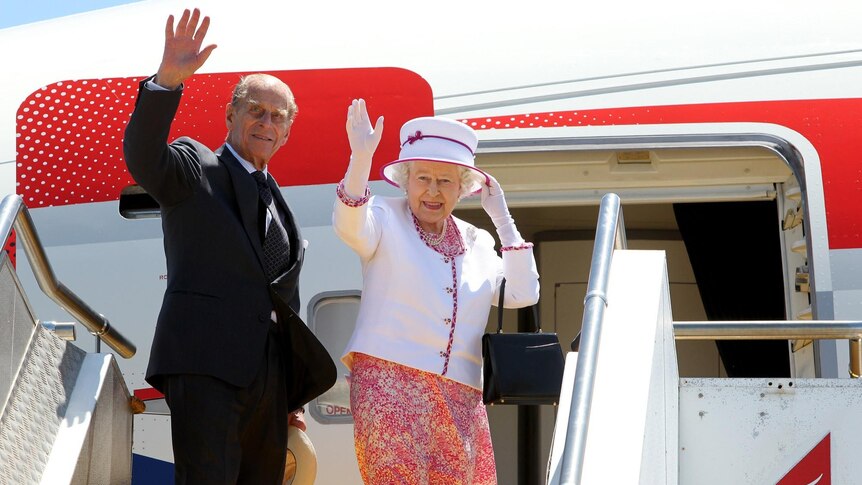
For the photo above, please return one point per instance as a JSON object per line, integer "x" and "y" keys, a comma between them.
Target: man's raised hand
{"x": 183, "y": 54}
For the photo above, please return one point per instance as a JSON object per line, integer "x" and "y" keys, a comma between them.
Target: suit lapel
{"x": 247, "y": 198}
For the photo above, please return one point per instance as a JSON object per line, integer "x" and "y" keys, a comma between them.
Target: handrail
{"x": 610, "y": 235}
{"x": 768, "y": 330}
{"x": 14, "y": 213}
{"x": 778, "y": 330}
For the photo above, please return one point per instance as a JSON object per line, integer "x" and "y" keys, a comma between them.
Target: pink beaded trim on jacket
{"x": 451, "y": 246}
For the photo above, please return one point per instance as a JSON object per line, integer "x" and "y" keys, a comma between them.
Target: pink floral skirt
{"x": 414, "y": 427}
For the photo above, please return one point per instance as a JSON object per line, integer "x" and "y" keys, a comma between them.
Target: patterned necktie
{"x": 276, "y": 248}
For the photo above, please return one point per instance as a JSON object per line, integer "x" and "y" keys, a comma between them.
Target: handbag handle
{"x": 500, "y": 311}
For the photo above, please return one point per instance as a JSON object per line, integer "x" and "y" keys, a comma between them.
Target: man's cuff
{"x": 152, "y": 86}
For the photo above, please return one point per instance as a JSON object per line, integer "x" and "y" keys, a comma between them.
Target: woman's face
{"x": 432, "y": 192}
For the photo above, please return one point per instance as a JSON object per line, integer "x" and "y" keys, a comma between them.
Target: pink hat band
{"x": 411, "y": 139}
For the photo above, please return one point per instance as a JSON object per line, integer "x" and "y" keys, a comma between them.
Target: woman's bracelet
{"x": 525, "y": 245}
{"x": 350, "y": 201}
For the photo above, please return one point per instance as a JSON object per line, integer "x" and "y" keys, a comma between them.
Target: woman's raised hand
{"x": 363, "y": 139}
{"x": 494, "y": 202}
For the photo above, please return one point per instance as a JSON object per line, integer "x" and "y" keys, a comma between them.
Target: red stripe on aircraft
{"x": 69, "y": 134}
{"x": 831, "y": 125}
{"x": 69, "y": 145}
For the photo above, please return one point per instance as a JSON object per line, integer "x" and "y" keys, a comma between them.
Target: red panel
{"x": 148, "y": 394}
{"x": 831, "y": 125}
{"x": 814, "y": 468}
{"x": 10, "y": 247}
{"x": 69, "y": 145}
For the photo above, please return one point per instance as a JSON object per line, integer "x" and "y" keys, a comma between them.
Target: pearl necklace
{"x": 448, "y": 242}
{"x": 430, "y": 238}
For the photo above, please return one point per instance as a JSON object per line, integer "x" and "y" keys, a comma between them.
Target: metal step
{"x": 36, "y": 406}
{"x": 64, "y": 414}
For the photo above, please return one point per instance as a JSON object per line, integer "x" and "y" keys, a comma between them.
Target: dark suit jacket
{"x": 215, "y": 315}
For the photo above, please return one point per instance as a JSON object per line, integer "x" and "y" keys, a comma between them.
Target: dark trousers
{"x": 223, "y": 434}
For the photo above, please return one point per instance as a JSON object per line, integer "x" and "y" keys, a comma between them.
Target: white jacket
{"x": 406, "y": 308}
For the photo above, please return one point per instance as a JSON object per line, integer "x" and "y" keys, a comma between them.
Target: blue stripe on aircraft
{"x": 150, "y": 471}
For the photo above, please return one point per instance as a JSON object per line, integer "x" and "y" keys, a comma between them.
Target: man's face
{"x": 259, "y": 124}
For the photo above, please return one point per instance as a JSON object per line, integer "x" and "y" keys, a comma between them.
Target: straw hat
{"x": 301, "y": 465}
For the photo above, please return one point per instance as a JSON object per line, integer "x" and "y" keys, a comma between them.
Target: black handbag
{"x": 521, "y": 368}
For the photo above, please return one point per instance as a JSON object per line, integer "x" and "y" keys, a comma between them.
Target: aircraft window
{"x": 332, "y": 317}
{"x": 136, "y": 203}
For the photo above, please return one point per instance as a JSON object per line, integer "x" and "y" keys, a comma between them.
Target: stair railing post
{"x": 609, "y": 235}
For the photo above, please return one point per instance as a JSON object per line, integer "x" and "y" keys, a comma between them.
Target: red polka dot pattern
{"x": 570, "y": 118}
{"x": 9, "y": 247}
{"x": 69, "y": 141}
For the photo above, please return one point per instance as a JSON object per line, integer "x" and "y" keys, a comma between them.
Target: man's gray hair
{"x": 240, "y": 91}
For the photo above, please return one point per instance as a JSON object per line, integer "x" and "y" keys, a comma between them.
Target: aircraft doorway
{"x": 564, "y": 243}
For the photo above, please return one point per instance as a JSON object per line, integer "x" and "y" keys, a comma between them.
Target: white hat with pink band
{"x": 443, "y": 140}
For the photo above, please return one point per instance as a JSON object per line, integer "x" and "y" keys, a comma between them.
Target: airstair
{"x": 65, "y": 414}
{"x": 626, "y": 417}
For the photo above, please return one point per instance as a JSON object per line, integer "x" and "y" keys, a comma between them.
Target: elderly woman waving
{"x": 429, "y": 280}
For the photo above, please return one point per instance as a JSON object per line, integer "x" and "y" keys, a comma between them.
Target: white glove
{"x": 363, "y": 142}
{"x": 495, "y": 206}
